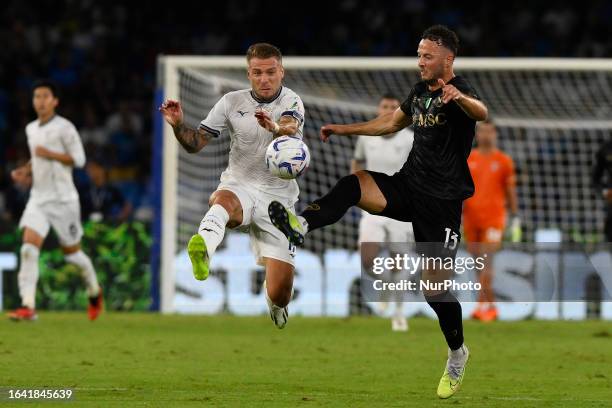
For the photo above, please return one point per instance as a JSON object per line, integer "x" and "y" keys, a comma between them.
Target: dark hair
{"x": 263, "y": 51}
{"x": 443, "y": 36}
{"x": 46, "y": 83}
{"x": 388, "y": 96}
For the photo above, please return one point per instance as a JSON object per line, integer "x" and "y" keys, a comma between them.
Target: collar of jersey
{"x": 259, "y": 100}
{"x": 47, "y": 122}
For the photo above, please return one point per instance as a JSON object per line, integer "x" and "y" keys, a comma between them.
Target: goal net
{"x": 552, "y": 116}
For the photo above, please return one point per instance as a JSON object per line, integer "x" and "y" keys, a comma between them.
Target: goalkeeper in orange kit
{"x": 484, "y": 214}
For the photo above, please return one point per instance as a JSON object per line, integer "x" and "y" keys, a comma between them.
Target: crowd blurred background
{"x": 107, "y": 82}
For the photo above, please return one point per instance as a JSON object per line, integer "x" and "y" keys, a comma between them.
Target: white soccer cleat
{"x": 279, "y": 315}
{"x": 399, "y": 324}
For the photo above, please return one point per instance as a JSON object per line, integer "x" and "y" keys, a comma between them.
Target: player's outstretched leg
{"x": 323, "y": 211}
{"x": 287, "y": 222}
{"x": 202, "y": 245}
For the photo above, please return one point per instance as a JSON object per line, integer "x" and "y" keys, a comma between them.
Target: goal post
{"x": 552, "y": 115}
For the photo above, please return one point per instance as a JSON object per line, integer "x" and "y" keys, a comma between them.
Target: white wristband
{"x": 276, "y": 129}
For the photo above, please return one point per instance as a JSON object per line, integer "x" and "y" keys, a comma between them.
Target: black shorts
{"x": 434, "y": 220}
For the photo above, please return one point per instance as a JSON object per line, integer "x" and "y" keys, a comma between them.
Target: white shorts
{"x": 266, "y": 240}
{"x": 374, "y": 228}
{"x": 65, "y": 218}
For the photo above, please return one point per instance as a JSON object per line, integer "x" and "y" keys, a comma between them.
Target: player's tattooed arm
{"x": 192, "y": 140}
{"x": 382, "y": 125}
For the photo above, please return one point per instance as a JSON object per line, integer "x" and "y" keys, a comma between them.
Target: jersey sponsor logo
{"x": 429, "y": 119}
{"x": 437, "y": 102}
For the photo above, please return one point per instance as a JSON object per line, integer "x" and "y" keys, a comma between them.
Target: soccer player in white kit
{"x": 251, "y": 118}
{"x": 55, "y": 148}
{"x": 386, "y": 154}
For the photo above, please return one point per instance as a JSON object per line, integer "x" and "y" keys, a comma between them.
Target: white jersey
{"x": 52, "y": 180}
{"x": 233, "y": 114}
{"x": 384, "y": 154}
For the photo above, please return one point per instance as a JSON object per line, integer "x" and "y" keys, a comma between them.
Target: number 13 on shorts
{"x": 451, "y": 240}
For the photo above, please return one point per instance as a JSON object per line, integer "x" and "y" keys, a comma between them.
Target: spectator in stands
{"x": 100, "y": 200}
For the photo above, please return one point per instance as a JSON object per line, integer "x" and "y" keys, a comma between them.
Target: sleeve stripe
{"x": 294, "y": 114}
{"x": 214, "y": 132}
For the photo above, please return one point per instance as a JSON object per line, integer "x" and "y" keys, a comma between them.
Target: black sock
{"x": 331, "y": 207}
{"x": 448, "y": 309}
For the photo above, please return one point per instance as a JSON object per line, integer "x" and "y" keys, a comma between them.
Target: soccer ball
{"x": 287, "y": 157}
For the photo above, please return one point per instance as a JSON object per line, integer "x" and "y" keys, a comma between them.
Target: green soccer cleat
{"x": 196, "y": 248}
{"x": 286, "y": 222}
{"x": 448, "y": 385}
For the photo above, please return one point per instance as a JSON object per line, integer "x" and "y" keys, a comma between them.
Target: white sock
{"x": 459, "y": 354}
{"x": 212, "y": 227}
{"x": 304, "y": 223}
{"x": 270, "y": 301}
{"x": 28, "y": 274}
{"x": 88, "y": 272}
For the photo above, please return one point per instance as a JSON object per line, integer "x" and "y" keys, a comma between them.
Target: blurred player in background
{"x": 484, "y": 214}
{"x": 602, "y": 181}
{"x": 55, "y": 148}
{"x": 252, "y": 118}
{"x": 384, "y": 154}
{"x": 429, "y": 189}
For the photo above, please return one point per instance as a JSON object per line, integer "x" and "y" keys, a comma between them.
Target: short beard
{"x": 434, "y": 80}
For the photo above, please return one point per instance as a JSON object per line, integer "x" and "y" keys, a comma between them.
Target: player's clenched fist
{"x": 326, "y": 131}
{"x": 172, "y": 111}
{"x": 449, "y": 92}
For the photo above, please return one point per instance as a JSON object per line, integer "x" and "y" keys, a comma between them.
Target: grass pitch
{"x": 148, "y": 360}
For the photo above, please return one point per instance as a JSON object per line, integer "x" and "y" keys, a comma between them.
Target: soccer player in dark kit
{"x": 429, "y": 189}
